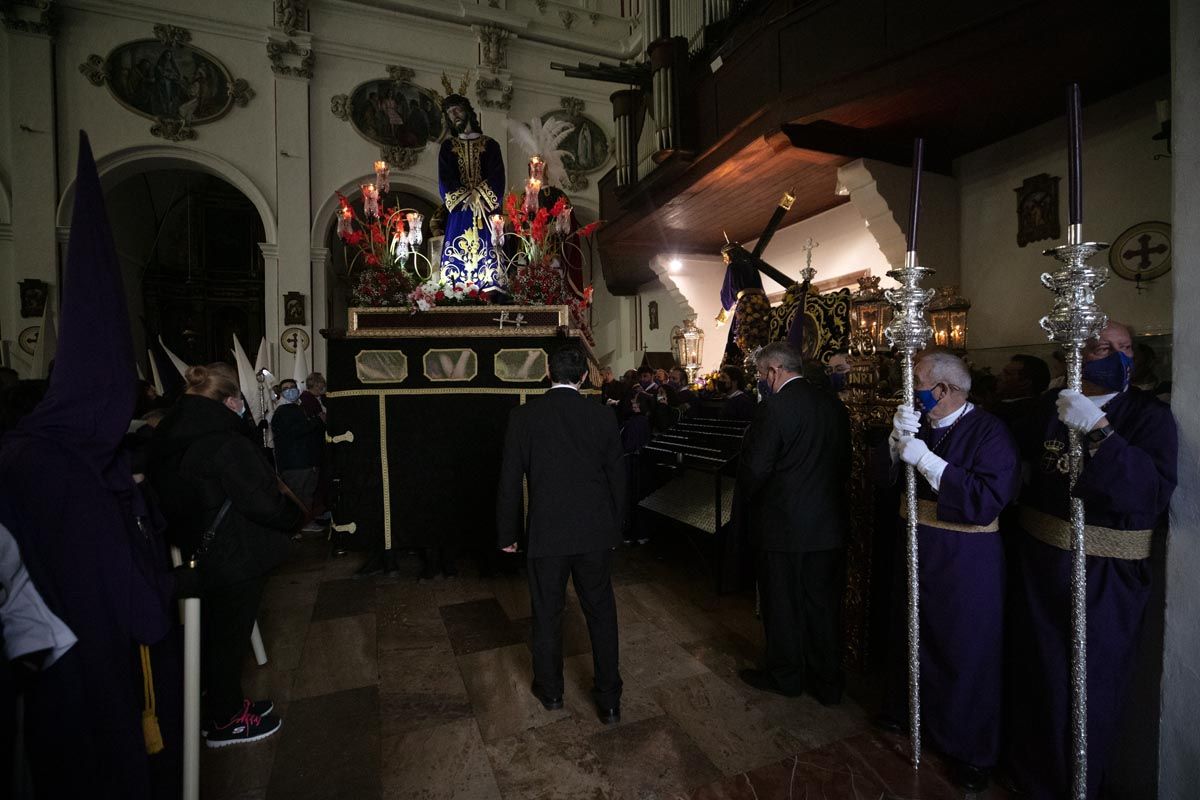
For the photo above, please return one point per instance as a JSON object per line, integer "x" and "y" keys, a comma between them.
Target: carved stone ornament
{"x": 291, "y": 16}
{"x": 168, "y": 81}
{"x": 339, "y": 104}
{"x": 541, "y": 6}
{"x": 401, "y": 158}
{"x": 290, "y": 60}
{"x": 567, "y": 17}
{"x": 38, "y": 17}
{"x": 394, "y": 114}
{"x": 494, "y": 92}
{"x": 493, "y": 46}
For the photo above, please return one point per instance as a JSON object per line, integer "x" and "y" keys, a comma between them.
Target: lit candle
{"x": 370, "y": 200}
{"x": 1074, "y": 156}
{"x": 497, "y": 223}
{"x": 382, "y": 178}
{"x": 344, "y": 218}
{"x": 416, "y": 223}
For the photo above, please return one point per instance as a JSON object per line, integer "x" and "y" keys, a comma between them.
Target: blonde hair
{"x": 216, "y": 381}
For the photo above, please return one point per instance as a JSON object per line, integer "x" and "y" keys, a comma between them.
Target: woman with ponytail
{"x": 225, "y": 510}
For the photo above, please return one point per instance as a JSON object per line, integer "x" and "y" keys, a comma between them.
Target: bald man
{"x": 1130, "y": 447}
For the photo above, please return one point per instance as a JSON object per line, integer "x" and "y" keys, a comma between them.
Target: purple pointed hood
{"x": 90, "y": 400}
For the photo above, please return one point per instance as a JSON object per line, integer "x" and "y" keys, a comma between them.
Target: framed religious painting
{"x": 586, "y": 148}
{"x": 167, "y": 80}
{"x": 393, "y": 113}
{"x": 1037, "y": 209}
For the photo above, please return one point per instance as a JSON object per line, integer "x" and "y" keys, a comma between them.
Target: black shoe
{"x": 372, "y": 566}
{"x": 609, "y": 716}
{"x": 258, "y": 708}
{"x": 242, "y": 728}
{"x": 887, "y": 724}
{"x": 763, "y": 681}
{"x": 549, "y": 703}
{"x": 969, "y": 777}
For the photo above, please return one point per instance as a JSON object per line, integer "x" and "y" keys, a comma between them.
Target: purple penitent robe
{"x": 1126, "y": 485}
{"x": 962, "y": 580}
{"x": 68, "y": 496}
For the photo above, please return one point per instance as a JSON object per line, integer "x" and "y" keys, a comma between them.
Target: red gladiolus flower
{"x": 371, "y": 260}
{"x": 560, "y": 206}
{"x": 588, "y": 230}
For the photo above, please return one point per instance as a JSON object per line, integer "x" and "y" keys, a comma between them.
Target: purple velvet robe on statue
{"x": 1125, "y": 485}
{"x": 962, "y": 593}
{"x": 68, "y": 496}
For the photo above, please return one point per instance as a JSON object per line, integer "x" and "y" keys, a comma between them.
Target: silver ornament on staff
{"x": 1073, "y": 320}
{"x": 908, "y": 332}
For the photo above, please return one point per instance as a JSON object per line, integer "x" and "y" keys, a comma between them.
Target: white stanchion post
{"x": 260, "y": 652}
{"x": 190, "y": 612}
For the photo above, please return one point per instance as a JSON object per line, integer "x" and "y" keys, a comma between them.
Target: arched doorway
{"x": 188, "y": 244}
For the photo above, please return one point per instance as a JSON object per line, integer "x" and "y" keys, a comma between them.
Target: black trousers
{"x": 801, "y": 603}
{"x": 227, "y": 617}
{"x": 548, "y": 591}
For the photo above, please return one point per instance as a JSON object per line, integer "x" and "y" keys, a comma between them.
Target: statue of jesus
{"x": 471, "y": 183}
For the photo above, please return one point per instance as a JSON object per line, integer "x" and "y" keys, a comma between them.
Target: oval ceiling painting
{"x": 169, "y": 81}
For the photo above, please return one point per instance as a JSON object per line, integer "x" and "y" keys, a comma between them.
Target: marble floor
{"x": 393, "y": 689}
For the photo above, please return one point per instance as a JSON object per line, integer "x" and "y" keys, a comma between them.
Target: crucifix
{"x": 809, "y": 245}
{"x": 517, "y": 320}
{"x": 295, "y": 341}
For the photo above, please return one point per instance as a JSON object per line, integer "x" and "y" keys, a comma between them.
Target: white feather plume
{"x": 543, "y": 139}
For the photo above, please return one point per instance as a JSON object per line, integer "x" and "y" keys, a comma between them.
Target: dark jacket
{"x": 298, "y": 438}
{"x": 794, "y": 470}
{"x": 198, "y": 458}
{"x": 571, "y": 451}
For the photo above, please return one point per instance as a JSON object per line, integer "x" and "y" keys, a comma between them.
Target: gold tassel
{"x": 150, "y": 729}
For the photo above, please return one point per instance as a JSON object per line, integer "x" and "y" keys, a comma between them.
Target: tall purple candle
{"x": 1074, "y": 156}
{"x": 914, "y": 202}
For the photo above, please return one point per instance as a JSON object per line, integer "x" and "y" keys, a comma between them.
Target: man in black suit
{"x": 793, "y": 473}
{"x": 571, "y": 452}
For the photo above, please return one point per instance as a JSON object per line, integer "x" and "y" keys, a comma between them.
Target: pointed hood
{"x": 263, "y": 359}
{"x": 91, "y": 396}
{"x": 47, "y": 343}
{"x": 300, "y": 372}
{"x": 246, "y": 379}
{"x": 180, "y": 365}
{"x": 164, "y": 366}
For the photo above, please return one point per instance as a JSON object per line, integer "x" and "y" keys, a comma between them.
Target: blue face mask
{"x": 291, "y": 395}
{"x": 1110, "y": 372}
{"x": 764, "y": 388}
{"x": 926, "y": 399}
{"x": 242, "y": 413}
{"x": 838, "y": 381}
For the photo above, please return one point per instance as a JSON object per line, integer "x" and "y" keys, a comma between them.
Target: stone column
{"x": 318, "y": 266}
{"x": 292, "y": 61}
{"x": 272, "y": 302}
{"x": 34, "y": 177}
{"x": 1179, "y": 746}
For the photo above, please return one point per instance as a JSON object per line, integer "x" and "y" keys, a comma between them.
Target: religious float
{"x": 439, "y": 348}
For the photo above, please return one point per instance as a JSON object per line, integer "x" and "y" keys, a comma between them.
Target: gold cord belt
{"x": 927, "y": 515}
{"x": 1097, "y": 540}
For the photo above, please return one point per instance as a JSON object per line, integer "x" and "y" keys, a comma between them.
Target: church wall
{"x": 1179, "y": 750}
{"x": 285, "y": 142}
{"x": 1123, "y": 185}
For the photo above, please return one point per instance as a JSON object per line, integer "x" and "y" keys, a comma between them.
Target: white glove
{"x": 906, "y": 421}
{"x": 1078, "y": 412}
{"x": 916, "y": 452}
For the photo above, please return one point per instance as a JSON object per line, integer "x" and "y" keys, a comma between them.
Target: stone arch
{"x": 318, "y": 242}
{"x": 121, "y": 164}
{"x": 401, "y": 181}
{"x": 5, "y": 204}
